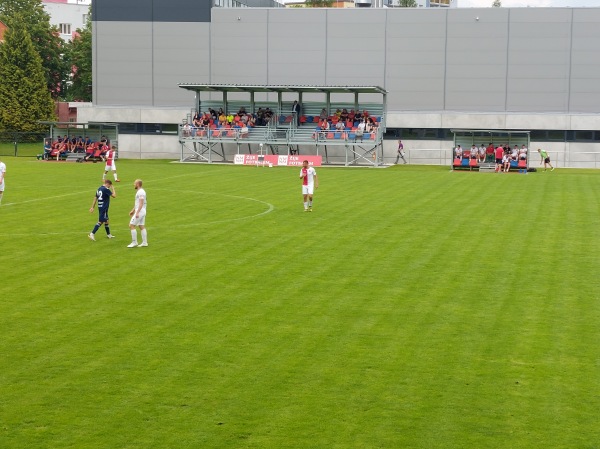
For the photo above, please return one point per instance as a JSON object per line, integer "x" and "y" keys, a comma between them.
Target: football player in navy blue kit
{"x": 102, "y": 198}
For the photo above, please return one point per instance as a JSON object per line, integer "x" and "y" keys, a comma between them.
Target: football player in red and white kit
{"x": 110, "y": 163}
{"x": 310, "y": 182}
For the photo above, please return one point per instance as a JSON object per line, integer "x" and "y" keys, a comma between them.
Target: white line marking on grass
{"x": 270, "y": 208}
{"x": 33, "y": 200}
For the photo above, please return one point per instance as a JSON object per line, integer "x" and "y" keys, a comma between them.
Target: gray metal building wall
{"x": 476, "y": 60}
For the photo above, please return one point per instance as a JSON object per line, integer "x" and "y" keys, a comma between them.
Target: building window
{"x": 64, "y": 28}
{"x": 85, "y": 19}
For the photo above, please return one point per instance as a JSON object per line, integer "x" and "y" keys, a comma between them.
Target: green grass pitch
{"x": 414, "y": 308}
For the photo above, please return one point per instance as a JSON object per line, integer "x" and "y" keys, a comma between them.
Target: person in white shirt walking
{"x": 138, "y": 216}
{"x": 110, "y": 163}
{"x": 310, "y": 182}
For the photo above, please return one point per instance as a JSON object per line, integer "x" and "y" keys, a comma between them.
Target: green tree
{"x": 407, "y": 3}
{"x": 46, "y": 40}
{"x": 78, "y": 55}
{"x": 319, "y": 3}
{"x": 496, "y": 4}
{"x": 24, "y": 96}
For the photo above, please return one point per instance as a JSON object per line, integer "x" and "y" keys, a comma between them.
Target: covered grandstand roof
{"x": 282, "y": 88}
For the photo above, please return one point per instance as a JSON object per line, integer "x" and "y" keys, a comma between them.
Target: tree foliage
{"x": 24, "y": 96}
{"x": 496, "y": 4}
{"x": 319, "y": 3}
{"x": 407, "y": 3}
{"x": 30, "y": 14}
{"x": 78, "y": 55}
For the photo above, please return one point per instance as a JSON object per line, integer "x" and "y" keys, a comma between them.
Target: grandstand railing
{"x": 202, "y": 143}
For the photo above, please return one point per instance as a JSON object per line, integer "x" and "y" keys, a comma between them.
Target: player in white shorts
{"x": 110, "y": 163}
{"x": 310, "y": 182}
{"x": 2, "y": 174}
{"x": 138, "y": 216}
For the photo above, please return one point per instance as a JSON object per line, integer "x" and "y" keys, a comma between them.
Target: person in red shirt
{"x": 489, "y": 152}
{"x": 499, "y": 153}
{"x": 110, "y": 163}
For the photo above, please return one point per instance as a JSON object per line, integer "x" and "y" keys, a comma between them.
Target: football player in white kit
{"x": 138, "y": 216}
{"x": 2, "y": 174}
{"x": 310, "y": 182}
{"x": 110, "y": 163}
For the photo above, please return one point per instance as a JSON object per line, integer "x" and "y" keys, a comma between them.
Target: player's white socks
{"x": 310, "y": 203}
{"x": 305, "y": 205}
{"x": 144, "y": 235}
{"x": 116, "y": 178}
{"x": 133, "y": 236}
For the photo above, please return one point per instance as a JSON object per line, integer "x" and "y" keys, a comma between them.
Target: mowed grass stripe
{"x": 401, "y": 313}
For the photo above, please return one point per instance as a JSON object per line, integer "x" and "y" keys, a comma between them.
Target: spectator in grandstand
{"x": 365, "y": 113}
{"x": 499, "y": 153}
{"x": 296, "y": 112}
{"x": 344, "y": 115}
{"x": 523, "y": 153}
{"x": 87, "y": 141}
{"x": 230, "y": 118}
{"x": 222, "y": 118}
{"x": 338, "y": 113}
{"x": 324, "y": 124}
{"x": 400, "y": 152}
{"x": 323, "y": 114}
{"x": 545, "y": 159}
{"x": 206, "y": 120}
{"x": 351, "y": 115}
{"x": 358, "y": 116}
{"x": 339, "y": 126}
{"x": 186, "y": 130}
{"x": 458, "y": 153}
{"x": 360, "y": 130}
{"x": 213, "y": 114}
{"x": 242, "y": 111}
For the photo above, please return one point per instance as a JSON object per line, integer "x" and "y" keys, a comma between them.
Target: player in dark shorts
{"x": 102, "y": 198}
{"x": 545, "y": 159}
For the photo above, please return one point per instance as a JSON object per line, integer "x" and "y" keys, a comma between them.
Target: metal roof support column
{"x": 383, "y": 119}
{"x": 279, "y": 108}
{"x": 198, "y": 102}
{"x": 355, "y": 101}
{"x": 328, "y": 102}
{"x": 225, "y": 101}
{"x": 252, "y": 103}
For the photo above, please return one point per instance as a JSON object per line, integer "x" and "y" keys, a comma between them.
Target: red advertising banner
{"x": 274, "y": 160}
